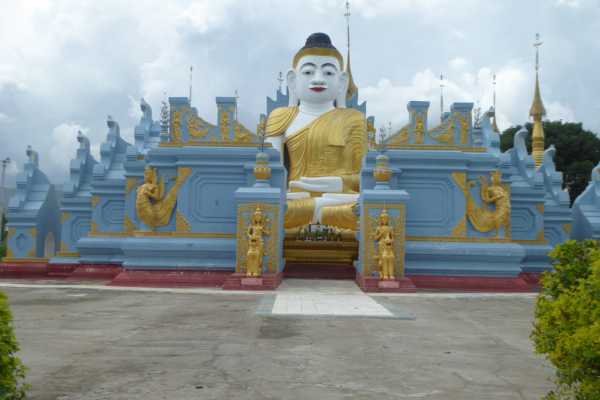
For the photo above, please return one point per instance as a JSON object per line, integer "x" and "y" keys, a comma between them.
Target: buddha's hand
{"x": 322, "y": 184}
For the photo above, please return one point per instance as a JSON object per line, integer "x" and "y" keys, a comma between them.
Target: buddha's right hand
{"x": 322, "y": 184}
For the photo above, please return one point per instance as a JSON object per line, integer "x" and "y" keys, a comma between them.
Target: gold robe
{"x": 334, "y": 144}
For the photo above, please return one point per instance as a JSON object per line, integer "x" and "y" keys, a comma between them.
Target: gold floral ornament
{"x": 256, "y": 245}
{"x": 483, "y": 218}
{"x": 386, "y": 257}
{"x": 153, "y": 207}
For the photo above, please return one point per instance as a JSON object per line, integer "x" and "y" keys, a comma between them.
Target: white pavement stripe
{"x": 328, "y": 304}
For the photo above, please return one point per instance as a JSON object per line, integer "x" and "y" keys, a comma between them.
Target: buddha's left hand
{"x": 322, "y": 184}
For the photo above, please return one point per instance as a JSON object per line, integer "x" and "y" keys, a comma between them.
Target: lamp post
{"x": 5, "y": 163}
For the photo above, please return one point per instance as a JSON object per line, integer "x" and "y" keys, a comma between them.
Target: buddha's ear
{"x": 291, "y": 84}
{"x": 341, "y": 96}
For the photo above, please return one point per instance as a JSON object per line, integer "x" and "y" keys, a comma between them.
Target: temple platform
{"x": 115, "y": 275}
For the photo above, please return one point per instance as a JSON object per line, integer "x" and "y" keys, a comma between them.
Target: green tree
{"x": 12, "y": 371}
{"x": 577, "y": 151}
{"x": 567, "y": 320}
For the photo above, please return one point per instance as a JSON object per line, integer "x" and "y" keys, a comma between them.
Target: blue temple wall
{"x": 33, "y": 215}
{"x": 586, "y": 210}
{"x": 557, "y": 211}
{"x": 76, "y": 210}
{"x": 202, "y": 229}
{"x": 103, "y": 245}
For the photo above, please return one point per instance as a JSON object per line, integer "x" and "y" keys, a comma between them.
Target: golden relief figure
{"x": 419, "y": 129}
{"x": 153, "y": 207}
{"x": 256, "y": 245}
{"x": 444, "y": 132}
{"x": 384, "y": 235}
{"x": 483, "y": 218}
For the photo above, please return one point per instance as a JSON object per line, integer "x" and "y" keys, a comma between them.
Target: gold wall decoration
{"x": 540, "y": 207}
{"x": 244, "y": 218}
{"x": 241, "y": 134}
{"x": 460, "y": 230}
{"x": 419, "y": 129}
{"x": 93, "y": 227}
{"x": 399, "y": 138}
{"x": 464, "y": 128}
{"x": 181, "y": 224}
{"x": 64, "y": 216}
{"x": 131, "y": 183}
{"x": 197, "y": 127}
{"x": 128, "y": 225}
{"x": 225, "y": 128}
{"x": 444, "y": 132}
{"x": 94, "y": 201}
{"x": 176, "y": 127}
{"x": 568, "y": 228}
{"x": 34, "y": 232}
{"x": 155, "y": 207}
{"x": 485, "y": 219}
{"x": 372, "y": 223}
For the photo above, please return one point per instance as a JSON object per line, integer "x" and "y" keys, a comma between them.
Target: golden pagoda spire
{"x": 352, "y": 88}
{"x": 537, "y": 110}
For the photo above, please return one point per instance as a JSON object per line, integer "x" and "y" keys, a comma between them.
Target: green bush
{"x": 567, "y": 320}
{"x": 12, "y": 371}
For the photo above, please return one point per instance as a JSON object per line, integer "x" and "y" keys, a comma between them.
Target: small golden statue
{"x": 256, "y": 244}
{"x": 153, "y": 207}
{"x": 384, "y": 234}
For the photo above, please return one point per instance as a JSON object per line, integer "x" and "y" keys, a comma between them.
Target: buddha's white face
{"x": 317, "y": 79}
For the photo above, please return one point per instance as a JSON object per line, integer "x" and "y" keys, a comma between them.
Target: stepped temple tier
{"x": 311, "y": 191}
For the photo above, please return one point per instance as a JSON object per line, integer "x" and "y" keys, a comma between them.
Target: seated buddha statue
{"x": 323, "y": 143}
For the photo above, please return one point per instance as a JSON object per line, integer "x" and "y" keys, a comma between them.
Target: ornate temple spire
{"x": 537, "y": 110}
{"x": 352, "y": 88}
{"x": 280, "y": 80}
{"x": 494, "y": 123}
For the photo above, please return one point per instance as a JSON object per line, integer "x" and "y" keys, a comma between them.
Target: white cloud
{"x": 458, "y": 63}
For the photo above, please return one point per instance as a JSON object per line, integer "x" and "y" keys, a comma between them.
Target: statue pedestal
{"x": 374, "y": 284}
{"x": 239, "y": 281}
{"x": 252, "y": 281}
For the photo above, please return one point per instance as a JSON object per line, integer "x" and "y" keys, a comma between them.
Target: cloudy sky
{"x": 67, "y": 64}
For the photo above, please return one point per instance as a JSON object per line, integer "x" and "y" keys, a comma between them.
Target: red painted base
{"x": 533, "y": 279}
{"x": 239, "y": 281}
{"x": 23, "y": 271}
{"x": 471, "y": 283}
{"x": 171, "y": 279}
{"x": 86, "y": 272}
{"x": 61, "y": 270}
{"x": 373, "y": 284}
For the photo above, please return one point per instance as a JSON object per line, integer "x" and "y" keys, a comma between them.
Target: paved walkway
{"x": 98, "y": 343}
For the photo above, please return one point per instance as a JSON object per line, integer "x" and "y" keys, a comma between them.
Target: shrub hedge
{"x": 12, "y": 371}
{"x": 567, "y": 320}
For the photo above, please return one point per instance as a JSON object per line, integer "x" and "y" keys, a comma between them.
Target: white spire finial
{"x": 494, "y": 91}
{"x": 191, "y": 71}
{"x": 347, "y": 15}
{"x": 537, "y": 45}
{"x": 237, "y": 99}
{"x": 441, "y": 97}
